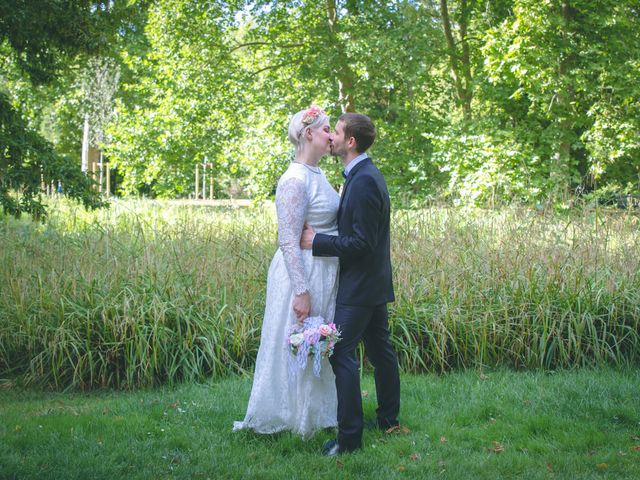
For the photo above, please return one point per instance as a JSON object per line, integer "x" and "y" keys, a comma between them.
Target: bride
{"x": 299, "y": 285}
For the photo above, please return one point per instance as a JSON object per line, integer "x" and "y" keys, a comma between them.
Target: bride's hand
{"x": 302, "y": 306}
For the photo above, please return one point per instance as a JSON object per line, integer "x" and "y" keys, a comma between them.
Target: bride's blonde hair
{"x": 312, "y": 117}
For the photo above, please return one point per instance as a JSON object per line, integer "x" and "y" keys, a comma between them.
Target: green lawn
{"x": 502, "y": 424}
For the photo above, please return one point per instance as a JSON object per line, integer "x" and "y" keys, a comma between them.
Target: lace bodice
{"x": 303, "y": 195}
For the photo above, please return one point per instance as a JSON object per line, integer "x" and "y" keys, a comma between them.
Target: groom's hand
{"x": 306, "y": 239}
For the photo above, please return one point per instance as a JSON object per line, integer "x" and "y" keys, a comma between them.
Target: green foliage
{"x": 186, "y": 93}
{"x": 228, "y": 95}
{"x": 26, "y": 160}
{"x": 553, "y": 102}
{"x": 487, "y": 164}
{"x": 39, "y": 40}
{"x": 570, "y": 65}
{"x": 42, "y": 36}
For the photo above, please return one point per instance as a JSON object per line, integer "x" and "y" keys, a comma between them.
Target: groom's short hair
{"x": 359, "y": 127}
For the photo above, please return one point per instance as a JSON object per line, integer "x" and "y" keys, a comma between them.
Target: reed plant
{"x": 151, "y": 292}
{"x": 136, "y": 295}
{"x": 516, "y": 287}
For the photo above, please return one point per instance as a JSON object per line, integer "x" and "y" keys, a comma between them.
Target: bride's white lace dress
{"x": 306, "y": 403}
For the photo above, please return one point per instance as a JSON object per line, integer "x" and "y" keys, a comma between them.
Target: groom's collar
{"x": 354, "y": 162}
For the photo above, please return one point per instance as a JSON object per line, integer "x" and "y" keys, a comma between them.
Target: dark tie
{"x": 344, "y": 174}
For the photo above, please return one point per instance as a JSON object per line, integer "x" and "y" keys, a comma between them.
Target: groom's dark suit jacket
{"x": 363, "y": 242}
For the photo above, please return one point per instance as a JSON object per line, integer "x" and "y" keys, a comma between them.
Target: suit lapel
{"x": 352, "y": 174}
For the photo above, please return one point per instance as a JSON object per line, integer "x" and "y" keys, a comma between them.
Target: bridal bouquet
{"x": 314, "y": 338}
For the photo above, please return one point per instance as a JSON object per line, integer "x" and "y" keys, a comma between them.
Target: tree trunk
{"x": 466, "y": 60}
{"x": 460, "y": 64}
{"x": 197, "y": 183}
{"x": 346, "y": 77}
{"x": 561, "y": 171}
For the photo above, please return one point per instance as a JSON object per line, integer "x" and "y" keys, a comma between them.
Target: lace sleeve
{"x": 291, "y": 207}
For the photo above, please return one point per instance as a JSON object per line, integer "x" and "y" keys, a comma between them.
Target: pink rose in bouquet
{"x": 325, "y": 330}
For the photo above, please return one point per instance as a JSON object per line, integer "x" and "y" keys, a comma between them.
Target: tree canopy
{"x": 41, "y": 45}
{"x": 475, "y": 100}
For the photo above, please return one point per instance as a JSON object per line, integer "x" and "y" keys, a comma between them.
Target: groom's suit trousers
{"x": 369, "y": 324}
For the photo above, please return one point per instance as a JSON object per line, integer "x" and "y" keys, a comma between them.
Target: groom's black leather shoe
{"x": 331, "y": 449}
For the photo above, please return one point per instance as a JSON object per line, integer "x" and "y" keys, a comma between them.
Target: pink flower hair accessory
{"x": 310, "y": 115}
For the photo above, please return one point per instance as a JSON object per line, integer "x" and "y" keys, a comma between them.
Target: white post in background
{"x": 197, "y": 180}
{"x": 211, "y": 181}
{"x": 204, "y": 179}
{"x": 85, "y": 145}
{"x": 94, "y": 167}
{"x": 101, "y": 171}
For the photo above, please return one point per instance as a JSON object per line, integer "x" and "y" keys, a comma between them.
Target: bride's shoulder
{"x": 295, "y": 171}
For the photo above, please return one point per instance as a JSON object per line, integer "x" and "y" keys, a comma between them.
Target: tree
{"x": 220, "y": 81}
{"x": 484, "y": 100}
{"x": 40, "y": 39}
{"x": 459, "y": 55}
{"x": 99, "y": 87}
{"x": 571, "y": 64}
{"x": 185, "y": 99}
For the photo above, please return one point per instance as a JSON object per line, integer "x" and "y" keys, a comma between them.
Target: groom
{"x": 365, "y": 285}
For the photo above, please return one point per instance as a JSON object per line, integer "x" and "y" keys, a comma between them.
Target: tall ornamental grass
{"x": 136, "y": 295}
{"x": 516, "y": 287}
{"x": 152, "y": 292}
